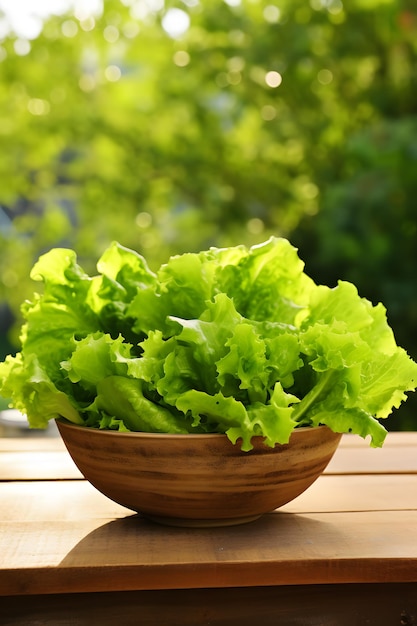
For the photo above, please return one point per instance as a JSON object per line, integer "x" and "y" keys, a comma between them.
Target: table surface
{"x": 356, "y": 524}
{"x": 68, "y": 550}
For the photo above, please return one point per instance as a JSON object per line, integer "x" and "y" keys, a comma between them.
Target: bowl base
{"x": 185, "y": 522}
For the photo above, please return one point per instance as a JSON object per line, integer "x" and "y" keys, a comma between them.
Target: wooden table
{"x": 342, "y": 554}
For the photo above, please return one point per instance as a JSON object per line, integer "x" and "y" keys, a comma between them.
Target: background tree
{"x": 179, "y": 125}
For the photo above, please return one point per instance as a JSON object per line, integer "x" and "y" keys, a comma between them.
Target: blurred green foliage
{"x": 290, "y": 118}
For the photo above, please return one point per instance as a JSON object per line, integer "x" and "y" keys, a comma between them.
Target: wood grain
{"x": 344, "y": 552}
{"x": 279, "y": 549}
{"x": 354, "y": 456}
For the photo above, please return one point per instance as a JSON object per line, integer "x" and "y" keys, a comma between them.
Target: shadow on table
{"x": 134, "y": 540}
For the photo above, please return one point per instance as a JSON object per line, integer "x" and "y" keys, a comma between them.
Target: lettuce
{"x": 233, "y": 340}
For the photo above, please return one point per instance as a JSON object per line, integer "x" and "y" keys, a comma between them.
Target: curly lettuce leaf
{"x": 356, "y": 371}
{"x": 275, "y": 420}
{"x": 124, "y": 399}
{"x": 34, "y": 393}
{"x": 224, "y": 414}
{"x": 268, "y": 283}
{"x": 96, "y": 357}
{"x": 236, "y": 340}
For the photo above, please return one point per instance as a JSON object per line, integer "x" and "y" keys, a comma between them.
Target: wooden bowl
{"x": 198, "y": 480}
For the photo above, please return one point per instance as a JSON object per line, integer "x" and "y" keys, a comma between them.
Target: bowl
{"x": 198, "y": 480}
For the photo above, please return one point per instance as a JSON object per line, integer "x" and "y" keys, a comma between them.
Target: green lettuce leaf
{"x": 233, "y": 340}
{"x": 38, "y": 397}
{"x": 124, "y": 399}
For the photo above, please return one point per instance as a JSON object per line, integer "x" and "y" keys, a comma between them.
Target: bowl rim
{"x": 172, "y": 436}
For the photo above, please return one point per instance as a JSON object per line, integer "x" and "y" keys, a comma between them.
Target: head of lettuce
{"x": 231, "y": 340}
